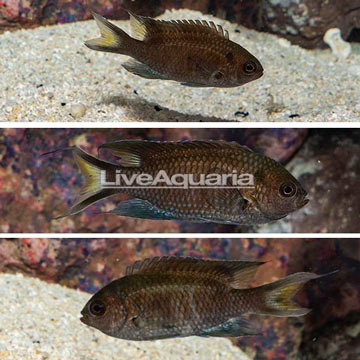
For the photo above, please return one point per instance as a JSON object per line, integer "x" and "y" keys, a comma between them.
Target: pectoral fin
{"x": 232, "y": 328}
{"x": 140, "y": 69}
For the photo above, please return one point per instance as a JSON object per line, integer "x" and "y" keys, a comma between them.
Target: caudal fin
{"x": 275, "y": 298}
{"x": 112, "y": 39}
{"x": 92, "y": 191}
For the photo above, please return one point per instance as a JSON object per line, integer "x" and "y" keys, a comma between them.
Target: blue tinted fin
{"x": 140, "y": 69}
{"x": 142, "y": 209}
{"x": 232, "y": 328}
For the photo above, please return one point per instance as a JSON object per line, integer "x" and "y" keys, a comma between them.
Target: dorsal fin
{"x": 209, "y": 25}
{"x": 133, "y": 151}
{"x": 138, "y": 26}
{"x": 143, "y": 27}
{"x": 238, "y": 274}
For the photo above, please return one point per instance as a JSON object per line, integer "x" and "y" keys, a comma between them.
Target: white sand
{"x": 47, "y": 66}
{"x": 40, "y": 321}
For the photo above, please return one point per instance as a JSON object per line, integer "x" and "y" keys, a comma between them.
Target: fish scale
{"x": 175, "y": 297}
{"x": 193, "y": 53}
{"x": 262, "y": 201}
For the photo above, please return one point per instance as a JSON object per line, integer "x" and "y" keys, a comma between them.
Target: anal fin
{"x": 192, "y": 84}
{"x": 232, "y": 328}
{"x": 140, "y": 69}
{"x": 142, "y": 209}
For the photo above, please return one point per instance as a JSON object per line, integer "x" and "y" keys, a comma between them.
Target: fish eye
{"x": 249, "y": 67}
{"x": 288, "y": 190}
{"x": 97, "y": 308}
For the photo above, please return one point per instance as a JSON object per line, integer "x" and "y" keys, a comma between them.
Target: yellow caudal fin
{"x": 276, "y": 297}
{"x": 112, "y": 39}
{"x": 92, "y": 191}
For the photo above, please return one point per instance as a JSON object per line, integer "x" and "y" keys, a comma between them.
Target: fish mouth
{"x": 302, "y": 203}
{"x": 83, "y": 317}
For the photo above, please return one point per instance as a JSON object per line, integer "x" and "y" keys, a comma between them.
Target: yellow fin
{"x": 112, "y": 37}
{"x": 90, "y": 172}
{"x": 92, "y": 191}
{"x": 276, "y": 296}
{"x": 138, "y": 27}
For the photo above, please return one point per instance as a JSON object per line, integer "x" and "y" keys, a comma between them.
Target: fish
{"x": 267, "y": 191}
{"x": 196, "y": 53}
{"x": 168, "y": 297}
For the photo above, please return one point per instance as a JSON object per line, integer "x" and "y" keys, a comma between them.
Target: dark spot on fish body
{"x": 134, "y": 321}
{"x": 230, "y": 57}
{"x": 63, "y": 103}
{"x": 237, "y": 31}
{"x": 293, "y": 116}
{"x": 218, "y": 75}
{"x": 157, "y": 108}
{"x": 244, "y": 204}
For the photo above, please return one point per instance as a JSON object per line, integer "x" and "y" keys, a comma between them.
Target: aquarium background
{"x": 330, "y": 331}
{"x": 35, "y": 188}
{"x": 304, "y": 22}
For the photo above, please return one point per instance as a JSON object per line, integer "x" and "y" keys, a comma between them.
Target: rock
{"x": 89, "y": 264}
{"x": 327, "y": 166}
{"x": 297, "y": 82}
{"x": 340, "y": 48}
{"x": 304, "y": 22}
{"x": 48, "y": 187}
{"x": 78, "y": 110}
{"x": 354, "y": 70}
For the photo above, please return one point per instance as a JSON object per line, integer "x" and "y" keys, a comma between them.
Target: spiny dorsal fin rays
{"x": 237, "y": 274}
{"x": 141, "y": 27}
{"x": 133, "y": 152}
{"x": 138, "y": 27}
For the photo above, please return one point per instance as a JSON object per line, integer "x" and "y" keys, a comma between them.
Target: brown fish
{"x": 175, "y": 297}
{"x": 268, "y": 192}
{"x": 193, "y": 52}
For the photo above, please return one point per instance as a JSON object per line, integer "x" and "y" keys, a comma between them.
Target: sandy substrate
{"x": 46, "y": 71}
{"x": 41, "y": 321}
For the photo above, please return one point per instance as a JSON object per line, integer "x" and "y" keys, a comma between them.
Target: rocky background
{"x": 331, "y": 331}
{"x": 304, "y": 22}
{"x": 35, "y": 188}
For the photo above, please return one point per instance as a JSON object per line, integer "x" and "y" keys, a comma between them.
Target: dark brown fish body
{"x": 195, "y": 53}
{"x": 266, "y": 200}
{"x": 177, "y": 297}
